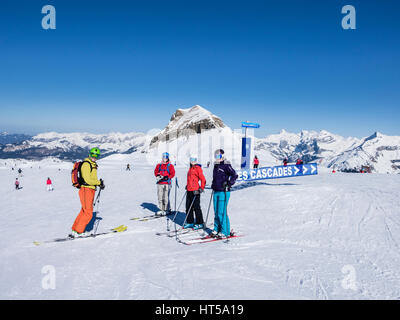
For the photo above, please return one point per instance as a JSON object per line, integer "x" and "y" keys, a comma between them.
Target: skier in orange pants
{"x": 86, "y": 195}
{"x": 88, "y": 171}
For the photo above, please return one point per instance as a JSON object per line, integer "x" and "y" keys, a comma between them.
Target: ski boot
{"x": 188, "y": 225}
{"x": 160, "y": 213}
{"x": 213, "y": 234}
{"x": 198, "y": 226}
{"x": 75, "y": 234}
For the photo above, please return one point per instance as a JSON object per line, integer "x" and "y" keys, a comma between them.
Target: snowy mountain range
{"x": 71, "y": 146}
{"x": 380, "y": 152}
{"x": 6, "y": 138}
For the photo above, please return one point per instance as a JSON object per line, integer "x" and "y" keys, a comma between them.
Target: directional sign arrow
{"x": 296, "y": 170}
{"x": 305, "y": 169}
{"x": 313, "y": 169}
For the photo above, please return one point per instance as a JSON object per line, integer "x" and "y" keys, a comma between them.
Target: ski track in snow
{"x": 298, "y": 235}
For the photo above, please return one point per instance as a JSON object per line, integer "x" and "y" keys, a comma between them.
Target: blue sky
{"x": 127, "y": 65}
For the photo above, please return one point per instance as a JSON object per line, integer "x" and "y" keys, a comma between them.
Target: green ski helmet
{"x": 94, "y": 152}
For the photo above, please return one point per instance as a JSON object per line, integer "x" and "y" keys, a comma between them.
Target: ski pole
{"x": 97, "y": 199}
{"x": 226, "y": 213}
{"x": 176, "y": 189}
{"x": 176, "y": 234}
{"x": 97, "y": 211}
{"x": 176, "y": 211}
{"x": 194, "y": 198}
{"x": 176, "y": 186}
{"x": 208, "y": 210}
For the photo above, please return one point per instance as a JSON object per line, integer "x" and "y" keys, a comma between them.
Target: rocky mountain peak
{"x": 188, "y": 122}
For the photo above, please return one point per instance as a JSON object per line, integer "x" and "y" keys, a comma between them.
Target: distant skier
{"x": 87, "y": 191}
{"x": 20, "y": 172}
{"x": 17, "y": 184}
{"x": 256, "y": 162}
{"x": 224, "y": 177}
{"x": 128, "y": 167}
{"x": 285, "y": 162}
{"x": 208, "y": 164}
{"x": 49, "y": 184}
{"x": 164, "y": 172}
{"x": 194, "y": 176}
{"x": 299, "y": 165}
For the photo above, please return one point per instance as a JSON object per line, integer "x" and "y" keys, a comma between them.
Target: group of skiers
{"x": 256, "y": 162}
{"x": 49, "y": 184}
{"x": 224, "y": 177}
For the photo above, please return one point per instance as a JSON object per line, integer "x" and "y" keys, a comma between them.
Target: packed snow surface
{"x": 331, "y": 236}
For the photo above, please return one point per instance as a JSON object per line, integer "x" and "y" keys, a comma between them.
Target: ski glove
{"x": 102, "y": 186}
{"x": 226, "y": 186}
{"x": 197, "y": 192}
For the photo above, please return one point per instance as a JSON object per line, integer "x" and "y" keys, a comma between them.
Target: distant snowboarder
{"x": 164, "y": 172}
{"x": 128, "y": 167}
{"x": 256, "y": 162}
{"x": 49, "y": 185}
{"x": 285, "y": 162}
{"x": 87, "y": 191}
{"x": 194, "y": 176}
{"x": 224, "y": 177}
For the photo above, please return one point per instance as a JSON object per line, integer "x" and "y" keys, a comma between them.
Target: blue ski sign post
{"x": 278, "y": 172}
{"x": 250, "y": 125}
{"x": 246, "y": 144}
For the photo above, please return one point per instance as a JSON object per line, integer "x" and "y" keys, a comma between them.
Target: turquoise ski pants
{"x": 221, "y": 220}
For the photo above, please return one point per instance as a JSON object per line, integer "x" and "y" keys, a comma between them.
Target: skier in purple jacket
{"x": 224, "y": 177}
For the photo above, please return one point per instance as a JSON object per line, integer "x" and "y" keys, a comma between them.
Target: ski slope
{"x": 303, "y": 238}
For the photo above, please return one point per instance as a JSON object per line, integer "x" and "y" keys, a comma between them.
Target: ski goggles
{"x": 193, "y": 159}
{"x": 218, "y": 156}
{"x": 165, "y": 155}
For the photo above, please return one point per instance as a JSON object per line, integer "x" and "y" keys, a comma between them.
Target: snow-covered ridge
{"x": 379, "y": 152}
{"x": 113, "y": 141}
{"x": 71, "y": 146}
{"x": 8, "y": 138}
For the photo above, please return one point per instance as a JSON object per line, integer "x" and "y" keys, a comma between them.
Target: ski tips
{"x": 120, "y": 228}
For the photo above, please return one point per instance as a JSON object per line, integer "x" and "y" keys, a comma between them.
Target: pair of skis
{"x": 210, "y": 238}
{"x": 184, "y": 236}
{"x": 181, "y": 232}
{"x": 120, "y": 228}
{"x": 150, "y": 217}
